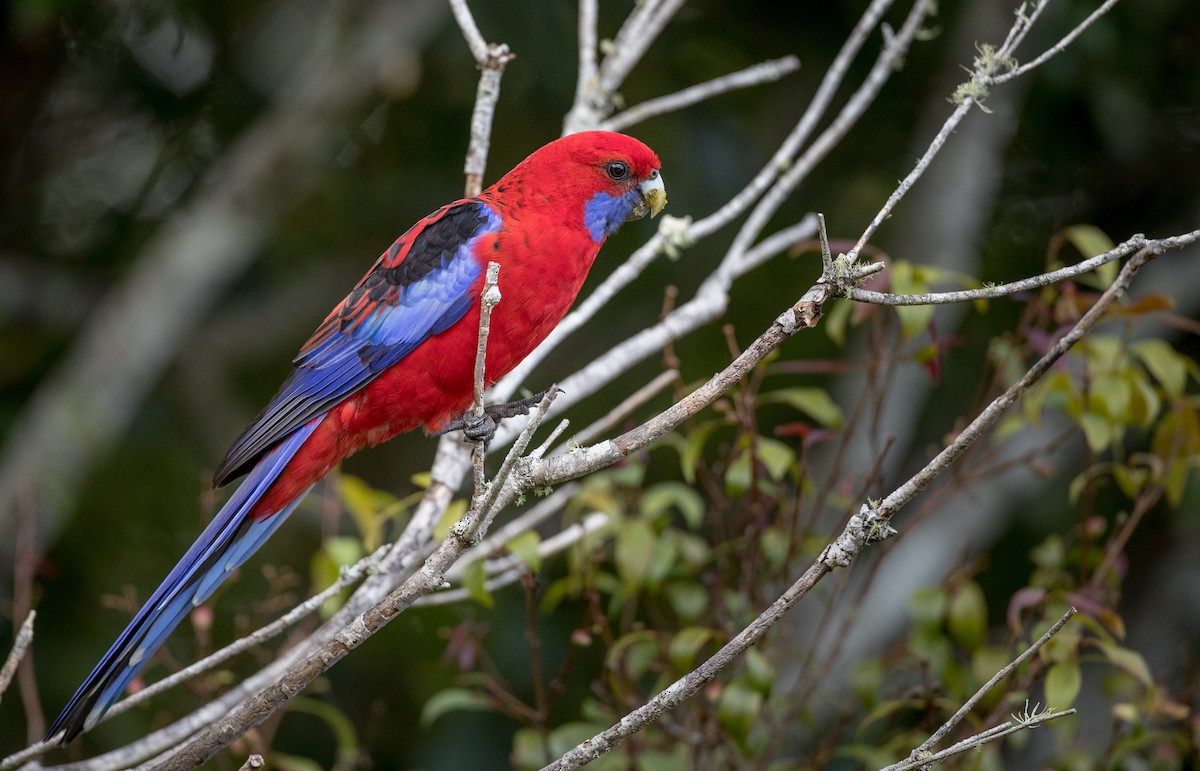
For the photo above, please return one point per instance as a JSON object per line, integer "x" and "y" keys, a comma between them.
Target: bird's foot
{"x": 481, "y": 428}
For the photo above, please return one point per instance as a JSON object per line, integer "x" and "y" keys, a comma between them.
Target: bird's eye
{"x": 617, "y": 170}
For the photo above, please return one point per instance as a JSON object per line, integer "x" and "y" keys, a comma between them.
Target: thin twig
{"x": 253, "y": 763}
{"x": 487, "y": 94}
{"x": 686, "y": 686}
{"x": 543, "y": 448}
{"x": 470, "y": 30}
{"x": 1119, "y": 251}
{"x": 508, "y": 570}
{"x": 527, "y": 521}
{"x": 588, "y": 40}
{"x": 628, "y": 406}
{"x": 893, "y": 52}
{"x": 24, "y": 638}
{"x": 985, "y": 73}
{"x": 995, "y": 733}
{"x": 488, "y": 299}
{"x": 763, "y": 72}
{"x": 1058, "y": 47}
{"x": 992, "y": 413}
{"x": 969, "y": 705}
{"x": 710, "y": 302}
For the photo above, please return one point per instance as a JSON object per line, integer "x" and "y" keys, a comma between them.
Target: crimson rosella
{"x": 397, "y": 354}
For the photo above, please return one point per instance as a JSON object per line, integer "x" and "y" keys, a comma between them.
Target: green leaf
{"x": 813, "y": 402}
{"x": 1050, "y": 553}
{"x": 967, "y": 615}
{"x": 473, "y": 581}
{"x": 695, "y": 551}
{"x": 737, "y": 475}
{"x": 1091, "y": 241}
{"x": 693, "y": 448}
{"x": 662, "y": 560}
{"x": 286, "y": 762}
{"x": 634, "y": 550}
{"x": 738, "y": 710}
{"x": 776, "y": 456}
{"x": 1110, "y": 395}
{"x": 1132, "y": 480}
{"x": 836, "y": 320}
{"x": 866, "y": 678}
{"x": 1054, "y": 390}
{"x": 684, "y": 646}
{"x": 449, "y": 517}
{"x": 987, "y": 661}
{"x": 1128, "y": 660}
{"x": 452, "y": 700}
{"x": 1144, "y": 404}
{"x": 927, "y": 605}
{"x": 633, "y": 654}
{"x": 1063, "y": 681}
{"x": 335, "y": 553}
{"x": 525, "y": 548}
{"x": 914, "y": 319}
{"x": 344, "y": 734}
{"x": 1167, "y": 366}
{"x": 665, "y": 495}
{"x": 367, "y": 507}
{"x": 774, "y": 544}
{"x": 1096, "y": 430}
{"x": 689, "y": 599}
{"x": 760, "y": 673}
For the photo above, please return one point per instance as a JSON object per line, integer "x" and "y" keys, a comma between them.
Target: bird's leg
{"x": 481, "y": 428}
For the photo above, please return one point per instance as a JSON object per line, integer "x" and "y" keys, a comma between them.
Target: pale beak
{"x": 653, "y": 197}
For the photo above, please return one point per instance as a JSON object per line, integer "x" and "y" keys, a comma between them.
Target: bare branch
{"x": 683, "y": 688}
{"x": 24, "y": 638}
{"x": 1058, "y": 47}
{"x": 987, "y": 71}
{"x": 488, "y": 299}
{"x": 527, "y": 521}
{"x": 508, "y": 570}
{"x": 894, "y": 50}
{"x": 992, "y": 413}
{"x": 587, "y": 79}
{"x": 986, "y": 737}
{"x": 253, "y": 763}
{"x": 470, "y": 30}
{"x": 923, "y": 750}
{"x": 486, "y": 95}
{"x": 764, "y": 72}
{"x": 627, "y": 406}
{"x": 1119, "y": 251}
{"x": 804, "y": 314}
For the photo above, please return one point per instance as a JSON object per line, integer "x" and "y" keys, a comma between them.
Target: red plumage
{"x": 545, "y": 252}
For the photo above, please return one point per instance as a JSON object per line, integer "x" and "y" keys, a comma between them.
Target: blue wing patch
{"x": 421, "y": 286}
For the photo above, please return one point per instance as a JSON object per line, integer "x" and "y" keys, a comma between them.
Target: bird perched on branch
{"x": 398, "y": 354}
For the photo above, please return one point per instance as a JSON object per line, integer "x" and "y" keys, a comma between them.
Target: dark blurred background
{"x": 238, "y": 165}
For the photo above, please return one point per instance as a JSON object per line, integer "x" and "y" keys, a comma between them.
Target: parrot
{"x": 397, "y": 354}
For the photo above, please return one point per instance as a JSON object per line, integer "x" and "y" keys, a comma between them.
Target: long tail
{"x": 225, "y": 544}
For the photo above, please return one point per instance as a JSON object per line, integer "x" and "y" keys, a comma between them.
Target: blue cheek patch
{"x": 603, "y": 213}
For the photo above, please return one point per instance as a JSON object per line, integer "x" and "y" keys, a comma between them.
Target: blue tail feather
{"x": 228, "y": 541}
